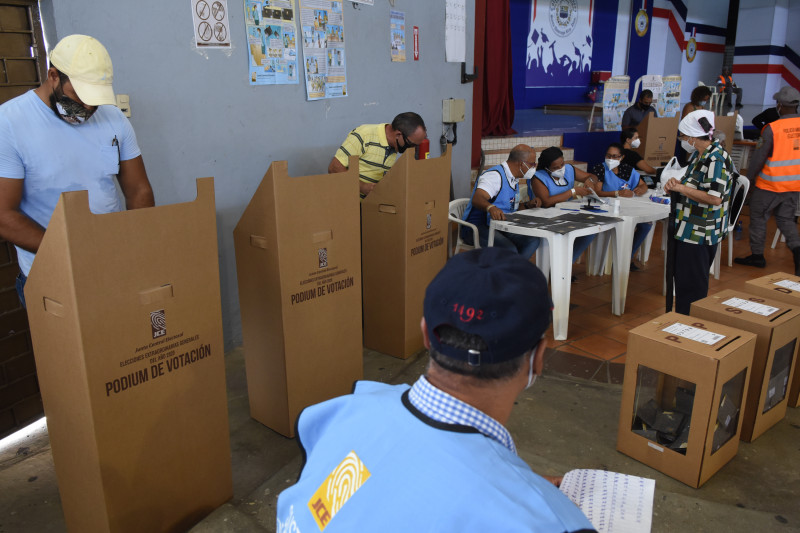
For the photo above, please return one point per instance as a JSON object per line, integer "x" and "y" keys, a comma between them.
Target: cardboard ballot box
{"x": 684, "y": 387}
{"x": 784, "y": 288}
{"x": 658, "y": 135}
{"x": 403, "y": 246}
{"x": 777, "y": 325}
{"x": 124, "y": 311}
{"x": 298, "y": 266}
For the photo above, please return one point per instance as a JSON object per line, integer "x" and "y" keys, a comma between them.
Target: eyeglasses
{"x": 407, "y": 143}
{"x": 613, "y": 156}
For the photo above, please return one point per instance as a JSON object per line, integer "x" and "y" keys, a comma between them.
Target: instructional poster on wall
{"x": 615, "y": 102}
{"x": 271, "y": 41}
{"x": 322, "y": 24}
{"x": 455, "y": 31}
{"x": 398, "y": 35}
{"x": 669, "y": 104}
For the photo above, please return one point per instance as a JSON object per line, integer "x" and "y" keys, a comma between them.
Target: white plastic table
{"x": 632, "y": 211}
{"x": 558, "y": 260}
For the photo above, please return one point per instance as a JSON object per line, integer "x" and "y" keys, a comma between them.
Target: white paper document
{"x": 455, "y": 31}
{"x": 694, "y": 334}
{"x": 788, "y": 284}
{"x": 613, "y": 503}
{"x": 753, "y": 307}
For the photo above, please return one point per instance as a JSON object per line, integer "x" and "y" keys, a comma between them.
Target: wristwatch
{"x": 573, "y": 192}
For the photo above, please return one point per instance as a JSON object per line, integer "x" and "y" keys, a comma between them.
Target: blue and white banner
{"x": 559, "y": 44}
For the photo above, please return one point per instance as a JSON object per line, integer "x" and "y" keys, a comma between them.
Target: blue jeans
{"x": 580, "y": 245}
{"x": 21, "y": 279}
{"x": 639, "y": 235}
{"x": 523, "y": 244}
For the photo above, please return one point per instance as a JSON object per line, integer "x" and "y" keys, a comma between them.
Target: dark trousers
{"x": 20, "y": 285}
{"x": 692, "y": 263}
{"x": 729, "y": 97}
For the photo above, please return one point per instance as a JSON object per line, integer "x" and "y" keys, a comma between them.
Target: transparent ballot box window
{"x": 729, "y": 408}
{"x": 662, "y": 408}
{"x": 779, "y": 375}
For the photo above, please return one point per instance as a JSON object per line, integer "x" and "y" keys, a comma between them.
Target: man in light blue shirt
{"x": 66, "y": 135}
{"x": 436, "y": 456}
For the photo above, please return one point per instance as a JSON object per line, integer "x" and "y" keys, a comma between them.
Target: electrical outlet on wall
{"x": 124, "y": 104}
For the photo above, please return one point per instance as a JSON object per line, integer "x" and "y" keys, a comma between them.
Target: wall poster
{"x": 272, "y": 41}
{"x": 322, "y": 25}
{"x": 559, "y": 44}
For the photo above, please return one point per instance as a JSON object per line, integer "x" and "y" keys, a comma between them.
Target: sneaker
{"x": 796, "y": 253}
{"x": 634, "y": 268}
{"x": 753, "y": 260}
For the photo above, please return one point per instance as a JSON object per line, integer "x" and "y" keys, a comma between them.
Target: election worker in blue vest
{"x": 619, "y": 179}
{"x": 496, "y": 194}
{"x": 436, "y": 456}
{"x": 556, "y": 181}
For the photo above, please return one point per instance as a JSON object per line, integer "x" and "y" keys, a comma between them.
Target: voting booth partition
{"x": 125, "y": 319}
{"x": 298, "y": 267}
{"x": 403, "y": 246}
{"x": 777, "y": 325}
{"x": 784, "y": 288}
{"x": 682, "y": 395}
{"x": 658, "y": 135}
{"x": 726, "y": 125}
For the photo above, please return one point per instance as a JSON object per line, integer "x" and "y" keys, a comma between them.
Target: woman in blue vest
{"x": 621, "y": 180}
{"x": 555, "y": 182}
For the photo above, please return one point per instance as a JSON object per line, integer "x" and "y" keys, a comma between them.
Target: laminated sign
{"x": 299, "y": 273}
{"x": 124, "y": 312}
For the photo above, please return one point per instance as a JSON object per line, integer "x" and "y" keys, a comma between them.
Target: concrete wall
{"x": 195, "y": 113}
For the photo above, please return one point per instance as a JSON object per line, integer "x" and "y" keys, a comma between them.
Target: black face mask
{"x": 69, "y": 110}
{"x": 407, "y": 144}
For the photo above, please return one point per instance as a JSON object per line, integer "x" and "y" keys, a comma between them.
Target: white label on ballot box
{"x": 753, "y": 307}
{"x": 787, "y": 284}
{"x": 694, "y": 334}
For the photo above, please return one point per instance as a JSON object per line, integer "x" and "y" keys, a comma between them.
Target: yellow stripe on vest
{"x": 338, "y": 487}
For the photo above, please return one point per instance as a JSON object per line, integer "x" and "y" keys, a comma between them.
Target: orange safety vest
{"x": 781, "y": 171}
{"x": 723, "y": 82}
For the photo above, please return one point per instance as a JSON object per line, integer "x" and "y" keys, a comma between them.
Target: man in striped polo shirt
{"x": 377, "y": 146}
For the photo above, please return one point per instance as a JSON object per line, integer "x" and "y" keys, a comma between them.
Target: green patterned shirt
{"x": 710, "y": 172}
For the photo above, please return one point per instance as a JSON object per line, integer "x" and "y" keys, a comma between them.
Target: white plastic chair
{"x": 715, "y": 102}
{"x": 455, "y": 214}
{"x": 737, "y": 202}
{"x": 778, "y": 234}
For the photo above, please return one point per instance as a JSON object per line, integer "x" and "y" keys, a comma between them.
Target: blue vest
{"x": 549, "y": 182}
{"x": 612, "y": 182}
{"x": 400, "y": 471}
{"x": 507, "y": 199}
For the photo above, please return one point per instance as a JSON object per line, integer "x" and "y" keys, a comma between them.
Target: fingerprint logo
{"x": 428, "y": 221}
{"x": 337, "y": 489}
{"x": 345, "y": 481}
{"x": 158, "y": 321}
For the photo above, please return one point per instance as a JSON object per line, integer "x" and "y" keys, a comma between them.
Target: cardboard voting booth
{"x": 684, "y": 387}
{"x": 784, "y": 288}
{"x": 298, "y": 266}
{"x": 124, "y": 311}
{"x": 777, "y": 325}
{"x": 658, "y": 135}
{"x": 727, "y": 125}
{"x": 403, "y": 246}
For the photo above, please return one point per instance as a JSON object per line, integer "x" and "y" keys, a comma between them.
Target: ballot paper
{"x": 613, "y": 503}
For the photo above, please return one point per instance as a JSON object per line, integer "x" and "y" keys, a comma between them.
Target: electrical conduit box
{"x": 453, "y": 110}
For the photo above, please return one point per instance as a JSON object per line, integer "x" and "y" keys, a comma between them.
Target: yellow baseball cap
{"x": 88, "y": 66}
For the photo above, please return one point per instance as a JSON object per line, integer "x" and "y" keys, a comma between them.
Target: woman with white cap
{"x": 701, "y": 210}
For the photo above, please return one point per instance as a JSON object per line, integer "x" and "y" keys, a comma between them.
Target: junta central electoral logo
{"x": 323, "y": 257}
{"x": 158, "y": 322}
{"x": 563, "y": 16}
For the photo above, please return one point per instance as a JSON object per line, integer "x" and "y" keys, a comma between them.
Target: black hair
{"x": 699, "y": 94}
{"x": 646, "y": 92}
{"x": 452, "y": 336}
{"x": 407, "y": 123}
{"x": 618, "y": 146}
{"x": 547, "y": 157}
{"x": 627, "y": 133}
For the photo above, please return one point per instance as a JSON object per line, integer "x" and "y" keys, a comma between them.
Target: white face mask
{"x": 531, "y": 377}
{"x": 688, "y": 147}
{"x": 529, "y": 173}
{"x": 612, "y": 163}
{"x": 558, "y": 174}
{"x": 636, "y": 143}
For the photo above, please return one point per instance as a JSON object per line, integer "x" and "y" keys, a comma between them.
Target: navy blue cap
{"x": 495, "y": 294}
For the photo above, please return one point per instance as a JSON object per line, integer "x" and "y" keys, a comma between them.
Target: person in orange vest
{"x": 726, "y": 85}
{"x": 775, "y": 167}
